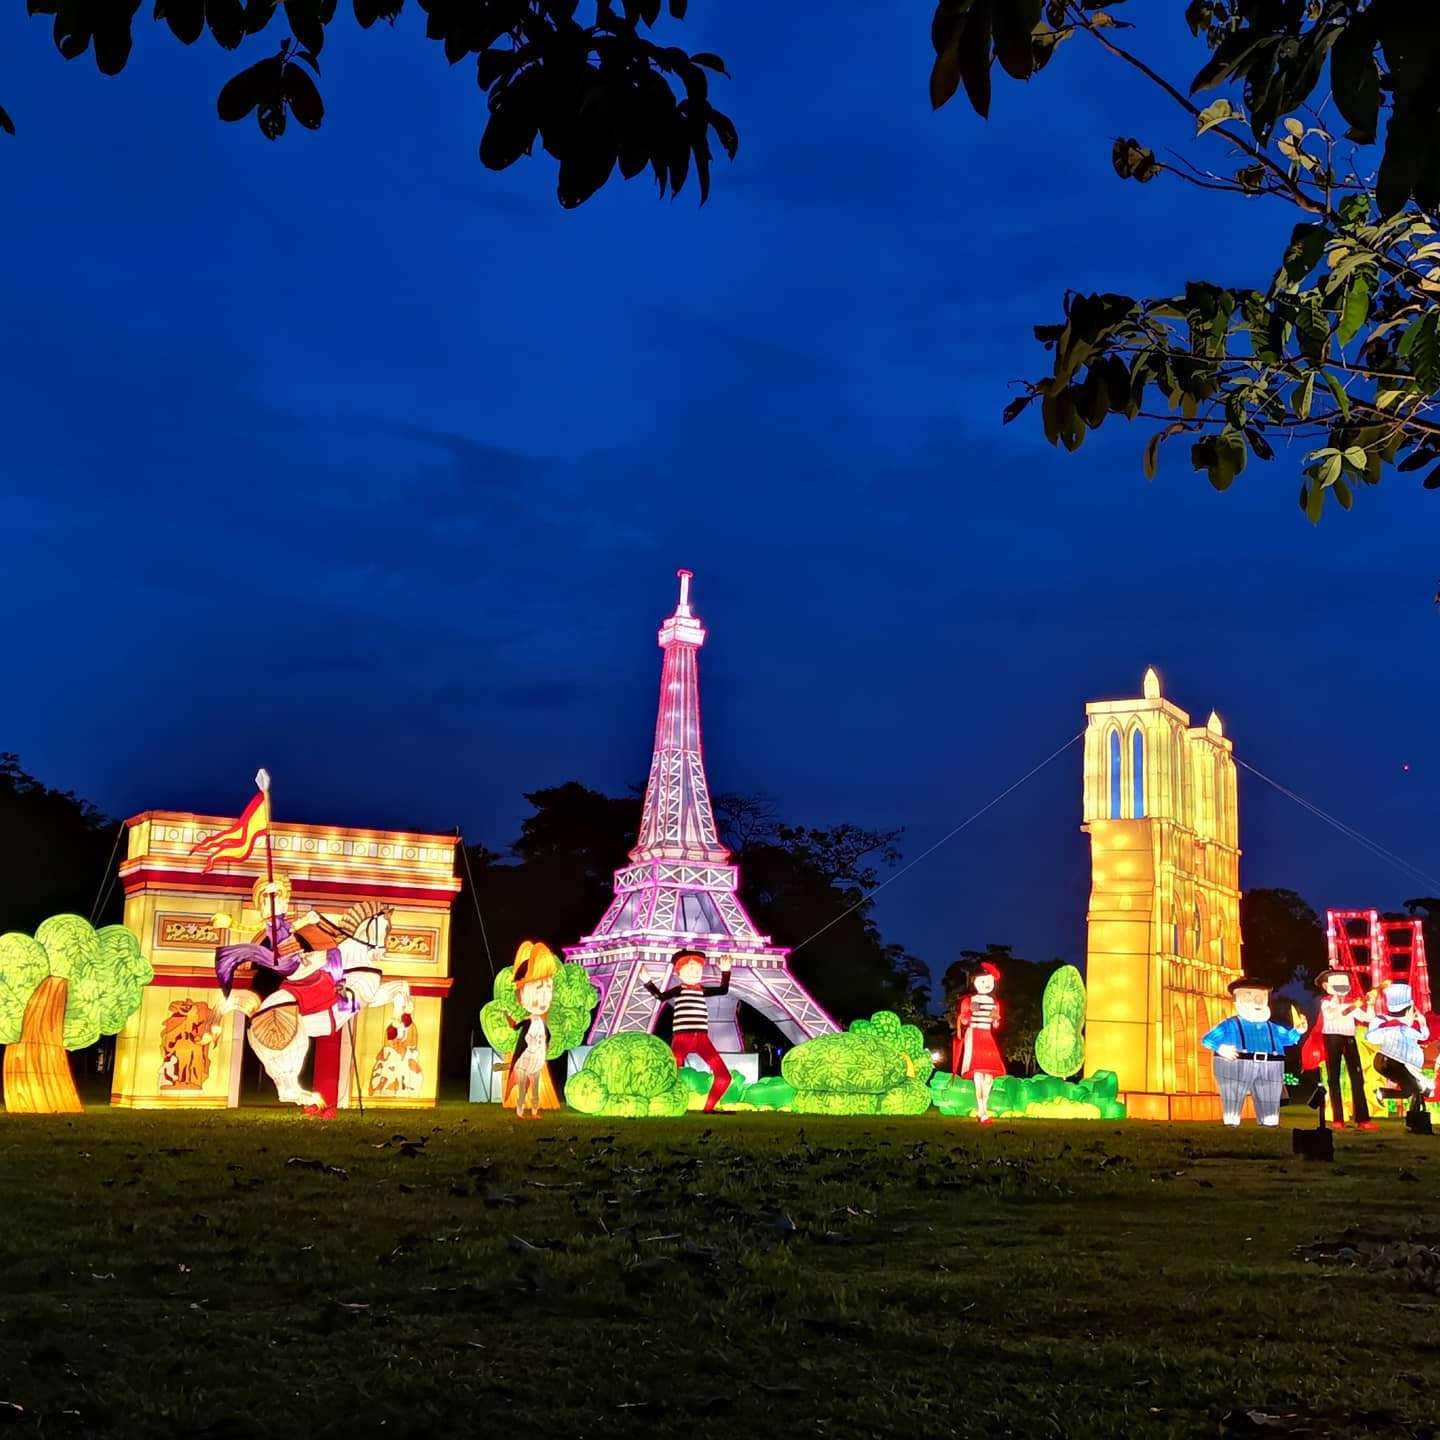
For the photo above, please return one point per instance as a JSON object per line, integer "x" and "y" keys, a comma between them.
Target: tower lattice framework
{"x": 680, "y": 889}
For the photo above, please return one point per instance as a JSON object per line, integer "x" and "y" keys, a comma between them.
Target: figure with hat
{"x": 529, "y": 1079}
{"x": 1249, "y": 1049}
{"x": 974, "y": 1053}
{"x": 690, "y": 998}
{"x": 307, "y": 958}
{"x": 1397, "y": 1032}
{"x": 1333, "y": 1040}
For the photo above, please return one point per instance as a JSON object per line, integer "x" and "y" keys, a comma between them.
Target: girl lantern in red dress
{"x": 975, "y": 1055}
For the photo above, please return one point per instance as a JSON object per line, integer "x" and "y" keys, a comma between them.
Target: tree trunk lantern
{"x": 37, "y": 1068}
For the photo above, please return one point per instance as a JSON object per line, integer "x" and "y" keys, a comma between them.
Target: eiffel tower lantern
{"x": 679, "y": 889}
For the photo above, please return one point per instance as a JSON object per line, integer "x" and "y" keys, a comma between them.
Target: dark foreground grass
{"x": 252, "y": 1273}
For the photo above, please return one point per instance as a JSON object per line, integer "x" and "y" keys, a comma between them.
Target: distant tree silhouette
{"x": 598, "y": 97}
{"x": 54, "y": 853}
{"x": 1280, "y": 934}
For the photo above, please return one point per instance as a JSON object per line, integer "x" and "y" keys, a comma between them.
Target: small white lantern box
{"x": 487, "y": 1076}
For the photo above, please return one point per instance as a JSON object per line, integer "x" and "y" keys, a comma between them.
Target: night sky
{"x": 346, "y": 457}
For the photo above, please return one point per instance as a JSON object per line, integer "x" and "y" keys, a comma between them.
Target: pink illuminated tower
{"x": 679, "y": 889}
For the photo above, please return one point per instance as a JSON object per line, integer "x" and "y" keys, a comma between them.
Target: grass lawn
{"x": 456, "y": 1272}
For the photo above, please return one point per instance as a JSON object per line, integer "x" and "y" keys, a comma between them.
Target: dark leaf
{"x": 1355, "y": 81}
{"x": 494, "y": 64}
{"x": 586, "y": 167}
{"x": 303, "y": 98}
{"x": 186, "y": 19}
{"x": 945, "y": 74}
{"x": 240, "y": 95}
{"x": 1259, "y": 444}
{"x": 112, "y": 39}
{"x": 1132, "y": 161}
{"x": 226, "y": 19}
{"x": 1015, "y": 22}
{"x": 974, "y": 57}
{"x": 725, "y": 132}
{"x": 1152, "y": 449}
{"x": 1307, "y": 245}
{"x": 678, "y": 8}
{"x": 1432, "y": 480}
{"x": 1015, "y": 407}
{"x": 71, "y": 39}
{"x": 1406, "y": 144}
{"x": 711, "y": 62}
{"x": 514, "y": 121}
{"x": 1418, "y": 459}
{"x": 1221, "y": 456}
{"x": 367, "y": 12}
{"x": 6, "y": 123}
{"x": 1420, "y": 349}
{"x": 305, "y": 26}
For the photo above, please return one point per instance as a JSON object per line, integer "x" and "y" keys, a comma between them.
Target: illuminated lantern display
{"x": 691, "y": 999}
{"x": 1060, "y": 1044}
{"x": 631, "y": 1074}
{"x": 1334, "y": 1039}
{"x": 679, "y": 892}
{"x": 540, "y": 1010}
{"x": 1164, "y": 917}
{"x": 878, "y": 1066}
{"x": 60, "y": 990}
{"x": 979, "y": 1019}
{"x": 184, "y": 1047}
{"x": 1375, "y": 953}
{"x": 1398, "y": 1032}
{"x": 1249, "y": 1050}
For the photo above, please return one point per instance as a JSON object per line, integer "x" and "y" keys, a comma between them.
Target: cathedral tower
{"x": 1164, "y": 919}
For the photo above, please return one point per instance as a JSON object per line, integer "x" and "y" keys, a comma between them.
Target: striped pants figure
{"x": 1262, "y": 1079}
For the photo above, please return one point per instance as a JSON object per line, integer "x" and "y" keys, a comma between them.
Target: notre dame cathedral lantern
{"x": 1164, "y": 918}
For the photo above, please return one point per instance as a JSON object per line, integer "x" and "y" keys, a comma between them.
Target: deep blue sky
{"x": 347, "y": 457}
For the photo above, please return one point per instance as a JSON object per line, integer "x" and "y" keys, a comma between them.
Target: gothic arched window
{"x": 1137, "y": 773}
{"x": 1117, "y": 779}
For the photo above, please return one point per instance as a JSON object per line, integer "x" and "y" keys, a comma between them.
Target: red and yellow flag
{"x": 239, "y": 841}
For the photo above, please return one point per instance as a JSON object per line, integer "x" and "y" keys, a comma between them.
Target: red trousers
{"x": 697, "y": 1042}
{"x": 325, "y": 1079}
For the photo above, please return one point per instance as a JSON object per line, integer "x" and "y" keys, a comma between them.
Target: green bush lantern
{"x": 630, "y": 1074}
{"x": 1060, "y": 1045}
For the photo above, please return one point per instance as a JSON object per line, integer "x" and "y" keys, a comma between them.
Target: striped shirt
{"x": 692, "y": 1012}
{"x": 979, "y": 1011}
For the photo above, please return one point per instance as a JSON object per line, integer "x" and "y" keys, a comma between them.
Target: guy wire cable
{"x": 910, "y": 865}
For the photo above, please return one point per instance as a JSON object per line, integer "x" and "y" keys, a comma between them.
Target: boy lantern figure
{"x": 529, "y": 1078}
{"x": 692, "y": 1016}
{"x": 1333, "y": 1040}
{"x": 974, "y": 1053}
{"x": 1249, "y": 1049}
{"x": 1396, "y": 1032}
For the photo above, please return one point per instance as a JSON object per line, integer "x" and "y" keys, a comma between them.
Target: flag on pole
{"x": 238, "y": 842}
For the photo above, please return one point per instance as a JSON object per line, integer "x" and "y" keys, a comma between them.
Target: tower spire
{"x": 677, "y": 822}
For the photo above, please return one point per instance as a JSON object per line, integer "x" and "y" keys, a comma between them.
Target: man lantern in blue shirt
{"x": 1249, "y": 1049}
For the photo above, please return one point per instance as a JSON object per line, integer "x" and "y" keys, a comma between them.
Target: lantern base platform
{"x": 1147, "y": 1105}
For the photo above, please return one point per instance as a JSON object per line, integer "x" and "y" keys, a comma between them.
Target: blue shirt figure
{"x": 1253, "y": 1037}
{"x": 1249, "y": 1050}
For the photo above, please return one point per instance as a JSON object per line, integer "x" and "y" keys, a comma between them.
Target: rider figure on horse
{"x": 308, "y": 957}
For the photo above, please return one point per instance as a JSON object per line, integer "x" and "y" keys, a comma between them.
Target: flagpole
{"x": 262, "y": 781}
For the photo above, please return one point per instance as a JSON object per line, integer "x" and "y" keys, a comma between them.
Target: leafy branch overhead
{"x": 1329, "y": 108}
{"x": 597, "y": 97}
